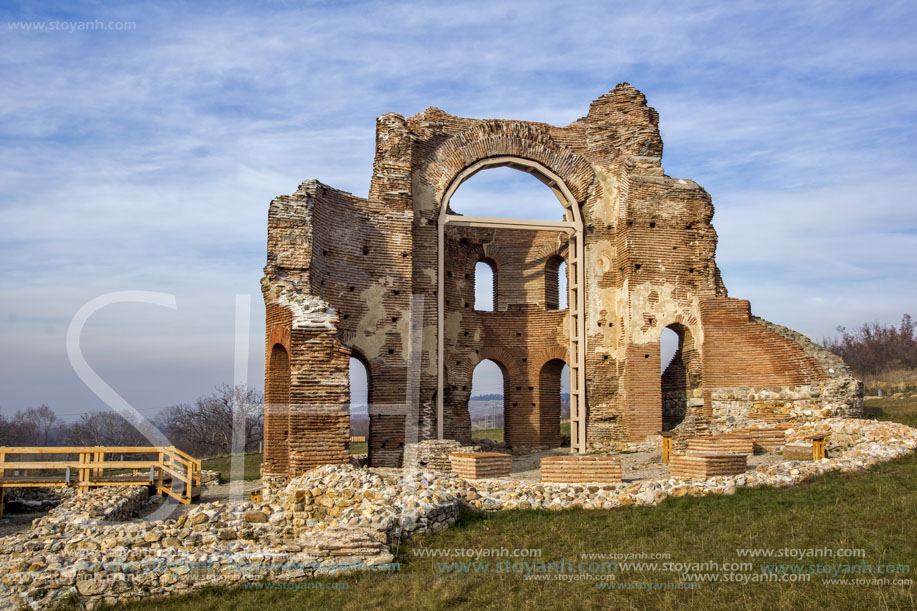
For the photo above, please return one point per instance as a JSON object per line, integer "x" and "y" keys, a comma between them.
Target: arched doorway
{"x": 572, "y": 226}
{"x": 277, "y": 410}
{"x": 680, "y": 375}
{"x": 359, "y": 406}
{"x": 553, "y": 394}
{"x": 486, "y": 405}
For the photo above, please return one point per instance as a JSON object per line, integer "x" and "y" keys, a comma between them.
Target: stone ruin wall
{"x": 344, "y": 272}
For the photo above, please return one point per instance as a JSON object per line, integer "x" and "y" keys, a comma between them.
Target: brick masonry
{"x": 707, "y": 465}
{"x": 348, "y": 276}
{"x": 721, "y": 444}
{"x": 479, "y": 465}
{"x": 581, "y": 469}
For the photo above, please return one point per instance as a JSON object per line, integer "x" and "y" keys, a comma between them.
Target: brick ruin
{"x": 389, "y": 280}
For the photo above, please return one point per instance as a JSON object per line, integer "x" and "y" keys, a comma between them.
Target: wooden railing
{"x": 168, "y": 469}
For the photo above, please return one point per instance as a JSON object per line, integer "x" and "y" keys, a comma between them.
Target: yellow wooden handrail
{"x": 169, "y": 467}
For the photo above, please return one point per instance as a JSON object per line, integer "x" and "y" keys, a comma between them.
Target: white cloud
{"x": 147, "y": 159}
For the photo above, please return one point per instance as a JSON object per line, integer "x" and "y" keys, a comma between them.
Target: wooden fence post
{"x": 666, "y": 445}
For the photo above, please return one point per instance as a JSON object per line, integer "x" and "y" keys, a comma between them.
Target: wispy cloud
{"x": 146, "y": 158}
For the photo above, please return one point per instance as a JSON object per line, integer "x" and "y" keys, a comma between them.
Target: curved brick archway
{"x": 527, "y": 148}
{"x": 495, "y": 139}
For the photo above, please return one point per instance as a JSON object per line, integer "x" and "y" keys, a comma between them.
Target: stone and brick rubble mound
{"x": 340, "y": 495}
{"x": 338, "y": 516}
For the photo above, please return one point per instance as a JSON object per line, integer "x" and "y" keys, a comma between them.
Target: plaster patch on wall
{"x": 653, "y": 307}
{"x": 606, "y": 206}
{"x": 370, "y": 336}
{"x": 428, "y": 348}
{"x": 453, "y": 325}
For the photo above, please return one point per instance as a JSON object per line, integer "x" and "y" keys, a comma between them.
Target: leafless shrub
{"x": 873, "y": 349}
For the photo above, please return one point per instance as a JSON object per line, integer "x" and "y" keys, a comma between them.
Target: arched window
{"x": 486, "y": 406}
{"x": 668, "y": 345}
{"x": 508, "y": 193}
{"x": 555, "y": 283}
{"x": 485, "y": 286}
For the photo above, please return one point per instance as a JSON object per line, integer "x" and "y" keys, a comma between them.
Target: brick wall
{"x": 348, "y": 275}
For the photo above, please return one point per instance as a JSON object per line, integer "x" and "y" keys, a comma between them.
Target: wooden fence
{"x": 169, "y": 470}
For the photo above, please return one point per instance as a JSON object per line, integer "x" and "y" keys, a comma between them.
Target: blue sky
{"x": 143, "y": 157}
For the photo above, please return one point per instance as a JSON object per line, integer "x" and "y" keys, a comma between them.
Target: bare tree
{"x": 105, "y": 428}
{"x": 5, "y": 431}
{"x": 34, "y": 425}
{"x": 205, "y": 427}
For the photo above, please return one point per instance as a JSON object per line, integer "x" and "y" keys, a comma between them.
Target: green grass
{"x": 896, "y": 410}
{"x": 222, "y": 464}
{"x": 253, "y": 462}
{"x": 875, "y": 511}
{"x": 495, "y": 434}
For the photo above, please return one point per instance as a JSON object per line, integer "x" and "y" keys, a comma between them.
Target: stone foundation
{"x": 433, "y": 454}
{"x": 799, "y": 450}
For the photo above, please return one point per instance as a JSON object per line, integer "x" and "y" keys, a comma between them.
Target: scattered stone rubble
{"x": 335, "y": 519}
{"x": 210, "y": 478}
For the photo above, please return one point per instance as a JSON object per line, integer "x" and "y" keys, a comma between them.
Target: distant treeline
{"x": 202, "y": 428}
{"x": 874, "y": 349}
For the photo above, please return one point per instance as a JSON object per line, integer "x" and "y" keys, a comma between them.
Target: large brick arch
{"x": 495, "y": 138}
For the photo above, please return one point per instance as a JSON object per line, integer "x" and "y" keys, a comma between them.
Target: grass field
{"x": 253, "y": 463}
{"x": 875, "y": 512}
{"x": 222, "y": 464}
{"x": 497, "y": 434}
{"x": 895, "y": 410}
